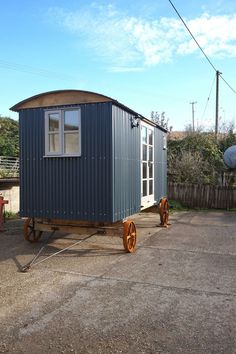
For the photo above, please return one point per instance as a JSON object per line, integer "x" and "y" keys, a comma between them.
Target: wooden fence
{"x": 203, "y": 196}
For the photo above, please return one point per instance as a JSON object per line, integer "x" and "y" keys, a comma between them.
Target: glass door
{"x": 147, "y": 167}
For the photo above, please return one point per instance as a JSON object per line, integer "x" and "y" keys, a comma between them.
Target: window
{"x": 63, "y": 133}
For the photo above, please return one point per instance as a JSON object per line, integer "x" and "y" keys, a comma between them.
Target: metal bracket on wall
{"x": 135, "y": 121}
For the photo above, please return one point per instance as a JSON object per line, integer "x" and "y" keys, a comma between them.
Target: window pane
{"x": 150, "y": 187}
{"x": 144, "y": 170}
{"x": 144, "y": 188}
{"x": 150, "y": 153}
{"x": 53, "y": 122}
{"x": 71, "y": 143}
{"x": 144, "y": 134}
{"x": 150, "y": 170}
{"x": 144, "y": 152}
{"x": 150, "y": 137}
{"x": 54, "y": 145}
{"x": 71, "y": 120}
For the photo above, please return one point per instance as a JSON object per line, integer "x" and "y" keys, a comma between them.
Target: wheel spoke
{"x": 131, "y": 236}
{"x": 31, "y": 232}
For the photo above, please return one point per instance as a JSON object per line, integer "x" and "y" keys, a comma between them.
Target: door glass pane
{"x": 150, "y": 137}
{"x": 144, "y": 152}
{"x": 144, "y": 170}
{"x": 144, "y": 188}
{"x": 150, "y": 186}
{"x": 150, "y": 170}
{"x": 144, "y": 135}
{"x": 71, "y": 143}
{"x": 53, "y": 122}
{"x": 54, "y": 145}
{"x": 71, "y": 120}
{"x": 150, "y": 153}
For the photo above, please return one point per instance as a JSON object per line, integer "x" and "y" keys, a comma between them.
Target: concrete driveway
{"x": 176, "y": 294}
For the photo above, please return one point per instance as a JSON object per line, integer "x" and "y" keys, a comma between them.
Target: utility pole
{"x": 218, "y": 73}
{"x": 193, "y": 122}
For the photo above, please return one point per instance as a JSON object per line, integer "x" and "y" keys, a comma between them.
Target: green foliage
{"x": 9, "y": 137}
{"x": 198, "y": 157}
{"x": 6, "y": 173}
{"x": 10, "y": 215}
{"x": 176, "y": 206}
{"x": 227, "y": 137}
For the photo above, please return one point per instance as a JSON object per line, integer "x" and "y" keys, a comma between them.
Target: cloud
{"x": 129, "y": 43}
{"x": 215, "y": 34}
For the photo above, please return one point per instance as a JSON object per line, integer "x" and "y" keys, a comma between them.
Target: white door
{"x": 147, "y": 167}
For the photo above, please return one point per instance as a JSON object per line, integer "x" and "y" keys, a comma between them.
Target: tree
{"x": 227, "y": 137}
{"x": 190, "y": 167}
{"x": 9, "y": 137}
{"x": 161, "y": 120}
{"x": 196, "y": 158}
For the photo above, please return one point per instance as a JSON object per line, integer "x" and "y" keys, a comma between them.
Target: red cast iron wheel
{"x": 129, "y": 236}
{"x": 163, "y": 209}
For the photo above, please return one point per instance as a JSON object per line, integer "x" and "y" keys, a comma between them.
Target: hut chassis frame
{"x": 34, "y": 227}
{"x": 126, "y": 229}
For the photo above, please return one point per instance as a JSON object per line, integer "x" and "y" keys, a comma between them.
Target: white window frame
{"x": 149, "y": 199}
{"x": 61, "y": 132}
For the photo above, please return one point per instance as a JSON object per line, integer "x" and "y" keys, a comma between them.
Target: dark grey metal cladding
{"x": 76, "y": 188}
{"x": 160, "y": 169}
{"x": 126, "y": 165}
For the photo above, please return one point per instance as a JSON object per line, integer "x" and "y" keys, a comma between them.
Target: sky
{"x": 137, "y": 52}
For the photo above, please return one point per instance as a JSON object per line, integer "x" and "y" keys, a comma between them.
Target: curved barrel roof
{"x": 70, "y": 97}
{"x": 60, "y": 97}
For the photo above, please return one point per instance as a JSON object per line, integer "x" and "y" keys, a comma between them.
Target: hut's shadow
{"x": 15, "y": 248}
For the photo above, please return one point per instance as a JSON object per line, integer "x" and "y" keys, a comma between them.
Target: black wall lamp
{"x": 135, "y": 121}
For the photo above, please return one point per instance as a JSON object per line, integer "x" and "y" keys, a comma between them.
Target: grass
{"x": 10, "y": 215}
{"x": 176, "y": 206}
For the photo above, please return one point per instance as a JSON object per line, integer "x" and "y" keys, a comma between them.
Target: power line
{"x": 209, "y": 61}
{"x": 33, "y": 70}
{"x": 208, "y": 98}
{"x": 185, "y": 25}
{"x": 228, "y": 84}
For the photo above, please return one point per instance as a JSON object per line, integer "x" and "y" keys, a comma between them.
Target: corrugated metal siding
{"x": 160, "y": 165}
{"x": 104, "y": 184}
{"x": 126, "y": 165}
{"x": 76, "y": 188}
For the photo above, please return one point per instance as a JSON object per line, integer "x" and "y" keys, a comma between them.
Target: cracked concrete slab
{"x": 176, "y": 294}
